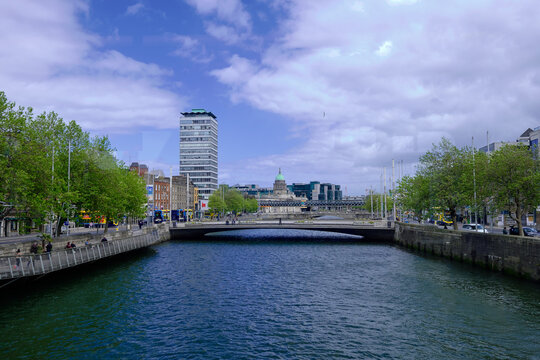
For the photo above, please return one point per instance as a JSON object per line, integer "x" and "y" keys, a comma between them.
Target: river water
{"x": 230, "y": 299}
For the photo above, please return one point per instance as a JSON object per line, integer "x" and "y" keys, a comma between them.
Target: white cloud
{"x": 385, "y": 49}
{"x": 50, "y": 62}
{"x": 457, "y": 72}
{"x": 225, "y": 33}
{"x": 189, "y": 48}
{"x": 402, "y": 2}
{"x": 231, "y": 12}
{"x": 134, "y": 9}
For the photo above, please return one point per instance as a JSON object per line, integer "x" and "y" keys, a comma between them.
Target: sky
{"x": 326, "y": 90}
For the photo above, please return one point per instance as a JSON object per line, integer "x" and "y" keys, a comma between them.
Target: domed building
{"x": 280, "y": 186}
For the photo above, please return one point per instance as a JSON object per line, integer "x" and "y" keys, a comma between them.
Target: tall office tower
{"x": 199, "y": 151}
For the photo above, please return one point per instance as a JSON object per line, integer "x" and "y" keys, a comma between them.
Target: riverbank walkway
{"x": 27, "y": 265}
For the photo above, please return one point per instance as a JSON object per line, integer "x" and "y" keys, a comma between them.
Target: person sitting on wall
{"x": 49, "y": 247}
{"x": 68, "y": 245}
{"x": 104, "y": 239}
{"x": 505, "y": 232}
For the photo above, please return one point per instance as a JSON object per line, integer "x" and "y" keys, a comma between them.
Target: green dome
{"x": 279, "y": 176}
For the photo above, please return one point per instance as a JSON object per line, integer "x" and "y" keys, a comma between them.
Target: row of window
{"x": 198, "y": 151}
{"x": 196, "y": 133}
{"x": 209, "y": 121}
{"x": 200, "y": 127}
{"x": 200, "y": 157}
{"x": 198, "y": 162}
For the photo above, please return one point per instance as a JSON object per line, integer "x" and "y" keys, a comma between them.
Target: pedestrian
{"x": 140, "y": 224}
{"x": 18, "y": 258}
{"x": 49, "y": 247}
{"x": 505, "y": 232}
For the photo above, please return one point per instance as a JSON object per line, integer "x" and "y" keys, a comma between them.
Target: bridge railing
{"x": 12, "y": 267}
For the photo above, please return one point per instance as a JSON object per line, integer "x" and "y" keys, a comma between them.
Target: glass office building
{"x": 199, "y": 150}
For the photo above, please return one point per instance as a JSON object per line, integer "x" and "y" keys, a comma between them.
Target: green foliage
{"x": 377, "y": 203}
{"x": 34, "y": 155}
{"x": 514, "y": 177}
{"x": 226, "y": 199}
{"x": 448, "y": 179}
{"x": 413, "y": 194}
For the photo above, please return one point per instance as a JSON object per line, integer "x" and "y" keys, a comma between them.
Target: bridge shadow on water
{"x": 279, "y": 236}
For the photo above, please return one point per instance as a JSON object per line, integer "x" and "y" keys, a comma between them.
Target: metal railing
{"x": 12, "y": 267}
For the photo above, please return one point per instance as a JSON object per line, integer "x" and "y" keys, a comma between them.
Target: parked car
{"x": 475, "y": 227}
{"x": 527, "y": 231}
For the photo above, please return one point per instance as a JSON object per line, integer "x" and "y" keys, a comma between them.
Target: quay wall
{"x": 515, "y": 255}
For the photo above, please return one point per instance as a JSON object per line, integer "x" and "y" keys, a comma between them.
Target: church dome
{"x": 279, "y": 176}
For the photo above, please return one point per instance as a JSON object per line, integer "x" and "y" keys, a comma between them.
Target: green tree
{"x": 413, "y": 195}
{"x": 444, "y": 169}
{"x": 216, "y": 201}
{"x": 234, "y": 201}
{"x": 51, "y": 170}
{"x": 377, "y": 199}
{"x": 514, "y": 177}
{"x": 250, "y": 204}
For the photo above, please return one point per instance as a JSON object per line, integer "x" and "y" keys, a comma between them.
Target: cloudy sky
{"x": 326, "y": 90}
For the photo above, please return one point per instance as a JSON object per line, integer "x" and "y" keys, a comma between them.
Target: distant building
{"x": 161, "y": 196}
{"x": 317, "y": 191}
{"x": 199, "y": 150}
{"x": 494, "y": 146}
{"x": 280, "y": 187}
{"x": 530, "y": 137}
{"x": 140, "y": 169}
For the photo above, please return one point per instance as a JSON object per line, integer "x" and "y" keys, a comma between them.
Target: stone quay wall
{"x": 516, "y": 255}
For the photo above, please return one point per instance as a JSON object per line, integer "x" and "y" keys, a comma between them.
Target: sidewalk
{"x": 79, "y": 230}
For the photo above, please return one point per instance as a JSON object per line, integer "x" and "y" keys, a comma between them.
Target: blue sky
{"x": 326, "y": 90}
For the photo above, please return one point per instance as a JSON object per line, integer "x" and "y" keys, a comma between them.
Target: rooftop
{"x": 195, "y": 112}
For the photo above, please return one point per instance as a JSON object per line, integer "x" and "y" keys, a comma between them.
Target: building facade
{"x": 317, "y": 191}
{"x": 199, "y": 150}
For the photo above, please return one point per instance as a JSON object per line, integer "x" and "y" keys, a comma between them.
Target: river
{"x": 230, "y": 299}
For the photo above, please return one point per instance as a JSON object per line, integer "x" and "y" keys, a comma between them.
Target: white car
{"x": 475, "y": 227}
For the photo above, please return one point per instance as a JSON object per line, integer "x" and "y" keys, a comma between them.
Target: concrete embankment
{"x": 516, "y": 255}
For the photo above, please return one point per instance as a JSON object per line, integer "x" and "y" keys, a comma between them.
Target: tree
{"x": 250, "y": 204}
{"x": 216, "y": 201}
{"x": 514, "y": 177}
{"x": 51, "y": 170}
{"x": 377, "y": 199}
{"x": 234, "y": 201}
{"x": 413, "y": 194}
{"x": 444, "y": 169}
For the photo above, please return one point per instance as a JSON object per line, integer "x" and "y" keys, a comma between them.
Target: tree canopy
{"x": 227, "y": 199}
{"x": 450, "y": 179}
{"x": 52, "y": 170}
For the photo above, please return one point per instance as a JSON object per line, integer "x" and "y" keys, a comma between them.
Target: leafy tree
{"x": 444, "y": 169}
{"x": 51, "y": 170}
{"x": 377, "y": 198}
{"x": 250, "y": 204}
{"x": 514, "y": 179}
{"x": 413, "y": 194}
{"x": 234, "y": 201}
{"x": 216, "y": 201}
